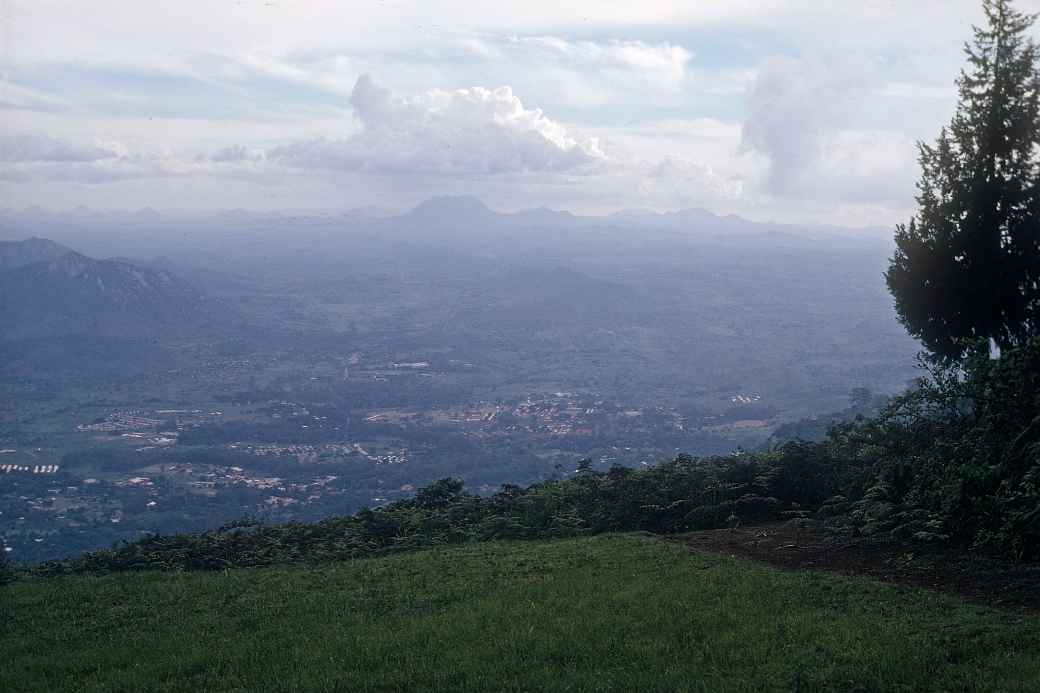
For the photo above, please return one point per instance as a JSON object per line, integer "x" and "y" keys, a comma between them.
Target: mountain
{"x": 367, "y": 212}
{"x": 15, "y": 254}
{"x": 466, "y": 216}
{"x": 543, "y": 216}
{"x": 160, "y": 263}
{"x": 47, "y": 290}
{"x": 147, "y": 214}
{"x": 462, "y": 212}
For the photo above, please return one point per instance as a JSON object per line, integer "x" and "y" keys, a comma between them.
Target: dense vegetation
{"x": 593, "y": 614}
{"x": 957, "y": 459}
{"x": 960, "y": 455}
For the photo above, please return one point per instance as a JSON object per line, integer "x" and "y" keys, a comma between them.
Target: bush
{"x": 955, "y": 459}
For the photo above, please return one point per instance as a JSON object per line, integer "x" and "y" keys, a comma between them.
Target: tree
{"x": 440, "y": 493}
{"x": 967, "y": 267}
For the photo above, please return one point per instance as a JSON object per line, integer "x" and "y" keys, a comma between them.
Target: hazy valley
{"x": 297, "y": 366}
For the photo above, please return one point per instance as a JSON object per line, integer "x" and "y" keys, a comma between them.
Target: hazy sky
{"x": 775, "y": 109}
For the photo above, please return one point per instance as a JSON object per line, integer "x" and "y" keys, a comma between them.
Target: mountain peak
{"x": 71, "y": 293}
{"x": 696, "y": 213}
{"x": 459, "y": 205}
{"x": 147, "y": 214}
{"x": 15, "y": 254}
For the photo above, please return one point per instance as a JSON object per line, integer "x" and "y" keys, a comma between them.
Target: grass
{"x": 626, "y": 613}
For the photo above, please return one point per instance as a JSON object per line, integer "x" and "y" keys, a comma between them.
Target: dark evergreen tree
{"x": 967, "y": 267}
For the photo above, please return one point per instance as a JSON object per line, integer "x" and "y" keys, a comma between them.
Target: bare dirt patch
{"x": 976, "y": 578}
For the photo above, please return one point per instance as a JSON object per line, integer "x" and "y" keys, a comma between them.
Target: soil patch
{"x": 976, "y": 578}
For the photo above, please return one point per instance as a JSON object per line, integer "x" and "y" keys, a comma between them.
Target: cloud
{"x": 792, "y": 105}
{"x": 683, "y": 180}
{"x": 461, "y": 132}
{"x": 15, "y": 96}
{"x": 90, "y": 173}
{"x": 36, "y": 157}
{"x": 660, "y": 64}
{"x": 577, "y": 76}
{"x": 25, "y": 148}
{"x": 811, "y": 122}
{"x": 863, "y": 167}
{"x": 235, "y": 153}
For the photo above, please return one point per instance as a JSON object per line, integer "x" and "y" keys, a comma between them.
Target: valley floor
{"x": 627, "y": 612}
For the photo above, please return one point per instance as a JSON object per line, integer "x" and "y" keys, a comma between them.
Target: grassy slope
{"x": 606, "y": 613}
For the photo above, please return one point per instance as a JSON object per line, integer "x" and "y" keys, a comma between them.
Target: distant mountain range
{"x": 49, "y": 290}
{"x": 447, "y": 212}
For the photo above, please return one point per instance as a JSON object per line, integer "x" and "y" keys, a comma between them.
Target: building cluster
{"x": 304, "y": 452}
{"x": 125, "y": 420}
{"x": 136, "y": 423}
{"x": 554, "y": 415}
{"x": 29, "y": 469}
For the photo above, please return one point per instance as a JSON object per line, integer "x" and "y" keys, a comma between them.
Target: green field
{"x": 625, "y": 612}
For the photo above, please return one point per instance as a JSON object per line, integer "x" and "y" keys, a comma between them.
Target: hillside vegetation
{"x": 590, "y": 614}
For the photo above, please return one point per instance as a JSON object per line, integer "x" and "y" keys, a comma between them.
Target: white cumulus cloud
{"x": 464, "y": 131}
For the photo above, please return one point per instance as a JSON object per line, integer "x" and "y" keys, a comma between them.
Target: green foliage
{"x": 440, "y": 493}
{"x": 608, "y": 613}
{"x": 684, "y": 494}
{"x": 862, "y": 404}
{"x": 957, "y": 458}
{"x": 968, "y": 266}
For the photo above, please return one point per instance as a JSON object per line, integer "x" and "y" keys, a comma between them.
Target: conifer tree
{"x": 967, "y": 267}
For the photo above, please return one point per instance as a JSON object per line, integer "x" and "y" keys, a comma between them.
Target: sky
{"x": 777, "y": 110}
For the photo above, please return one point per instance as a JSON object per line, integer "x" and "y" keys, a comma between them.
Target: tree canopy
{"x": 967, "y": 267}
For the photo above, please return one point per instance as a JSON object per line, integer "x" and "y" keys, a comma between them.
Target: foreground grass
{"x": 607, "y": 613}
